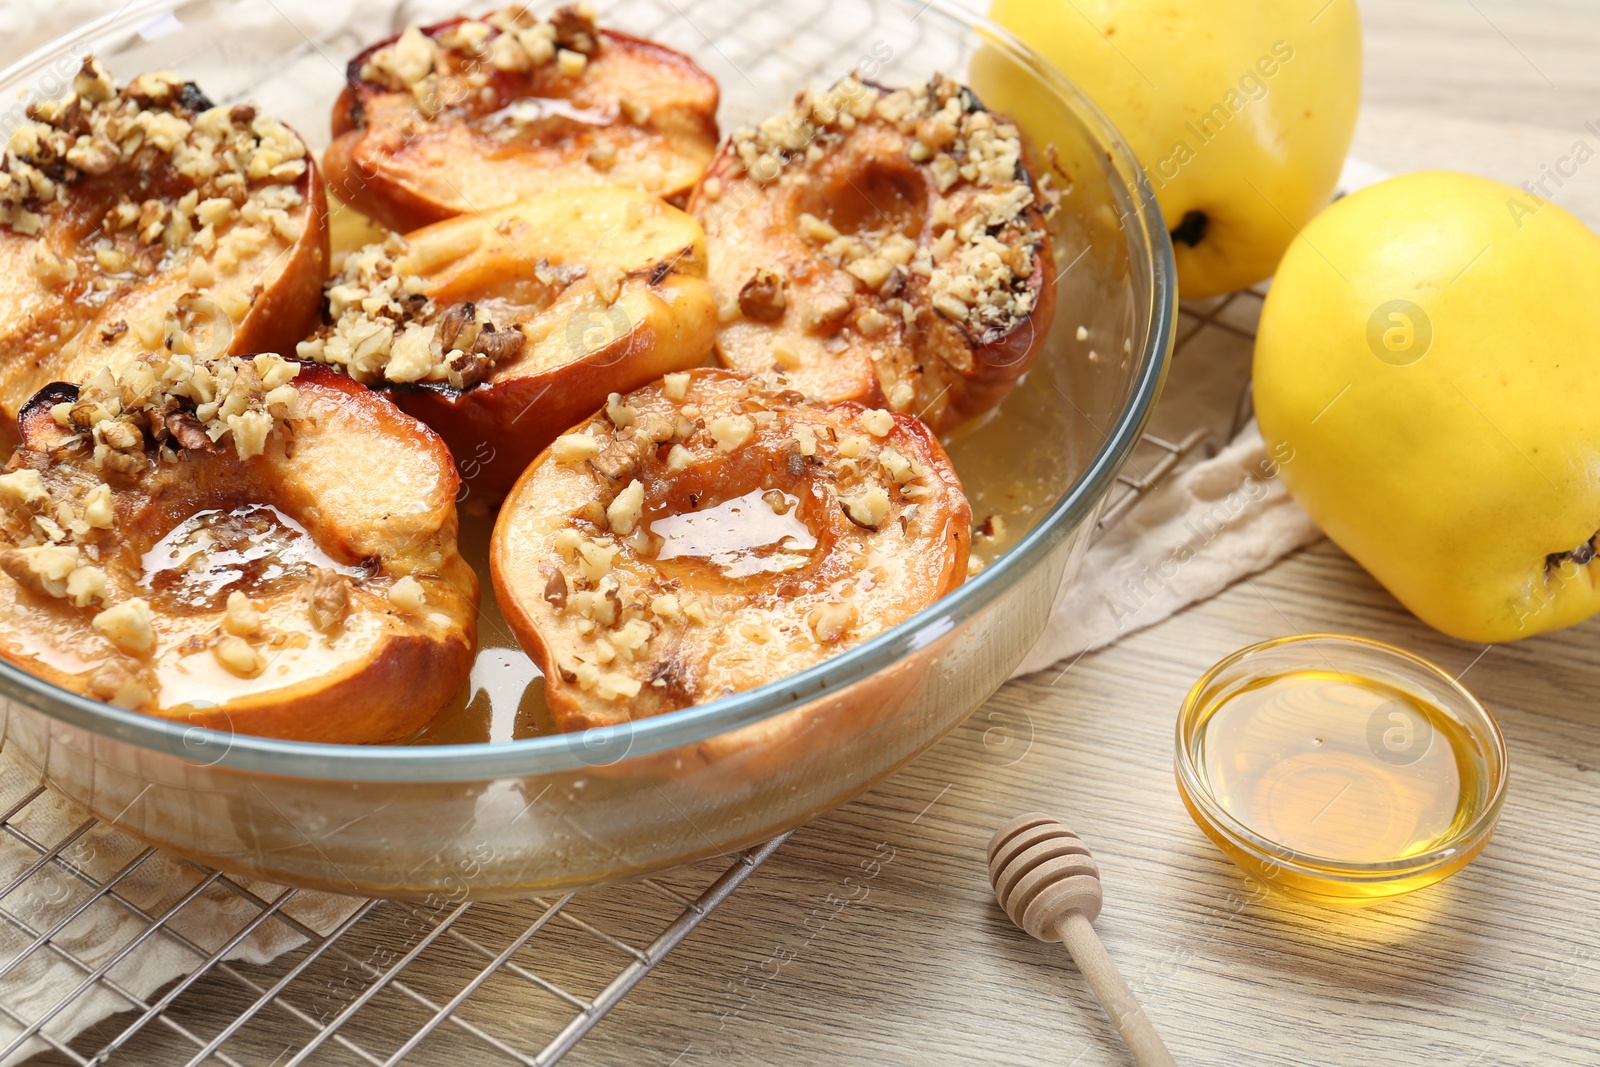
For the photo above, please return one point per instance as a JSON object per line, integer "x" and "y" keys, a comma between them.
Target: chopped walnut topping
{"x": 404, "y": 63}
{"x": 329, "y": 601}
{"x": 42, "y": 569}
{"x": 21, "y": 488}
{"x": 877, "y": 422}
{"x": 163, "y": 398}
{"x": 868, "y": 508}
{"x": 982, "y": 262}
{"x": 594, "y": 560}
{"x": 826, "y": 310}
{"x": 571, "y": 63}
{"x": 818, "y": 230}
{"x": 86, "y": 586}
{"x": 762, "y": 297}
{"x": 805, "y": 439}
{"x": 675, "y": 386}
{"x": 853, "y": 446}
{"x": 574, "y": 448}
{"x": 608, "y": 283}
{"x": 238, "y": 656}
{"x": 992, "y": 528}
{"x": 897, "y": 466}
{"x": 119, "y": 684}
{"x": 614, "y": 685}
{"x": 620, "y": 414}
{"x": 242, "y": 618}
{"x": 386, "y": 329}
{"x": 142, "y": 413}
{"x": 51, "y": 270}
{"x": 627, "y": 509}
{"x": 407, "y": 596}
{"x": 165, "y": 130}
{"x": 731, "y": 431}
{"x": 127, "y": 625}
{"x": 829, "y": 622}
{"x": 568, "y": 542}
{"x": 555, "y": 590}
{"x": 448, "y": 69}
{"x": 765, "y": 150}
{"x": 872, "y": 323}
{"x": 99, "y": 509}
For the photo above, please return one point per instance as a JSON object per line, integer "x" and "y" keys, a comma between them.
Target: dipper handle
{"x": 1137, "y": 1031}
{"x": 1048, "y": 883}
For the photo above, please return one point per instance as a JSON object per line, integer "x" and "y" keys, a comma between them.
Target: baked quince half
{"x": 712, "y": 532}
{"x": 502, "y": 329}
{"x": 472, "y": 114}
{"x": 141, "y": 218}
{"x": 886, "y": 247}
{"x": 246, "y": 544}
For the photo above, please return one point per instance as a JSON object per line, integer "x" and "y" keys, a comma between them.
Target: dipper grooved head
{"x": 1042, "y": 872}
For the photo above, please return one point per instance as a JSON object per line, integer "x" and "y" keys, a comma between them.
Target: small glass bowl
{"x": 1479, "y": 752}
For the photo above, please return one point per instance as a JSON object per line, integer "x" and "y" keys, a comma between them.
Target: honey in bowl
{"x": 1340, "y": 769}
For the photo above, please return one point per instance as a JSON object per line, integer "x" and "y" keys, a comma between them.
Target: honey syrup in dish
{"x": 254, "y": 549}
{"x": 504, "y": 697}
{"x": 758, "y": 533}
{"x": 1338, "y": 768}
{"x": 744, "y": 537}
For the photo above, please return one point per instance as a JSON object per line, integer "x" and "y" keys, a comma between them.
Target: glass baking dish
{"x": 524, "y": 816}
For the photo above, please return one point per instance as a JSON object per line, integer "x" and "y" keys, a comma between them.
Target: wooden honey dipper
{"x": 1048, "y": 883}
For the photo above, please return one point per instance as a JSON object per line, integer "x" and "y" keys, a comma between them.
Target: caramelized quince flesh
{"x": 606, "y": 284}
{"x": 713, "y": 532}
{"x": 348, "y": 502}
{"x": 102, "y": 293}
{"x": 828, "y": 265}
{"x": 635, "y": 114}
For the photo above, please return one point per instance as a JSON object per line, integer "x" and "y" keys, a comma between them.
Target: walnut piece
{"x": 762, "y": 297}
{"x": 329, "y": 601}
{"x": 127, "y": 625}
{"x": 386, "y": 329}
{"x": 407, "y": 596}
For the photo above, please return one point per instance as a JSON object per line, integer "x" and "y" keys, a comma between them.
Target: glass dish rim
{"x": 1486, "y": 729}
{"x": 601, "y": 746}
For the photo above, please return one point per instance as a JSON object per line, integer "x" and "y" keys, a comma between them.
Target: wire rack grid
{"x": 446, "y": 982}
{"x": 439, "y": 983}
{"x": 1222, "y": 327}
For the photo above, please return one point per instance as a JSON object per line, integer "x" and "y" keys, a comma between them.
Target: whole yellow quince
{"x": 1430, "y": 356}
{"x": 1240, "y": 111}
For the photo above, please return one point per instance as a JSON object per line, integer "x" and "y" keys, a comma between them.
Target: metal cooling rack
{"x": 518, "y": 982}
{"x": 1157, "y": 457}
{"x": 417, "y": 983}
{"x": 394, "y": 981}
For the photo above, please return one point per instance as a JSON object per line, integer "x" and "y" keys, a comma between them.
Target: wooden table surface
{"x": 814, "y": 962}
{"x": 1500, "y": 965}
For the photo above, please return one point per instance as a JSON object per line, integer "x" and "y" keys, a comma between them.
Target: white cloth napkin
{"x": 1210, "y": 525}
